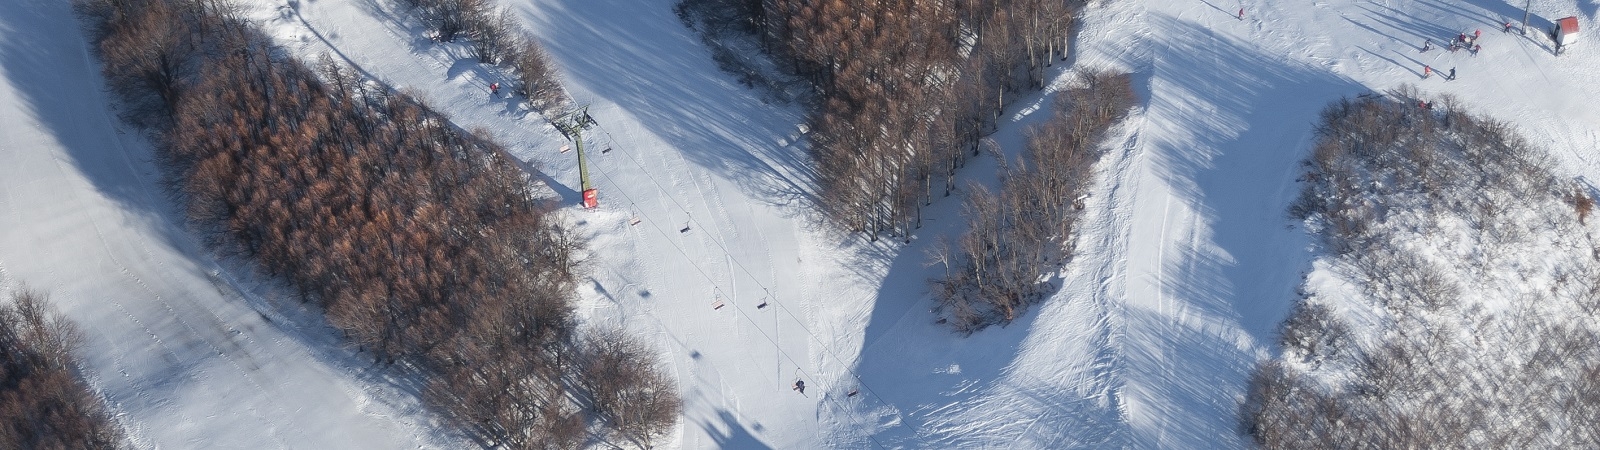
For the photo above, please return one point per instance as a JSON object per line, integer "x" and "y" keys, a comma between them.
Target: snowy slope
{"x": 185, "y": 359}
{"x": 1210, "y": 262}
{"x": 1187, "y": 260}
{"x": 1186, "y": 264}
{"x": 689, "y": 148}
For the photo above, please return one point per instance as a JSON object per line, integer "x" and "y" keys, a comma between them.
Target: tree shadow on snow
{"x": 1488, "y": 16}
{"x": 727, "y": 432}
{"x": 1245, "y": 122}
{"x": 651, "y": 66}
{"x": 82, "y": 119}
{"x": 1242, "y": 122}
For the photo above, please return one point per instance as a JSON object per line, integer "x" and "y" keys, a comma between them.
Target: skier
{"x": 1475, "y": 48}
{"x": 1426, "y": 70}
{"x": 1508, "y": 28}
{"x": 1427, "y": 45}
{"x": 800, "y": 386}
{"x": 1452, "y": 74}
{"x": 1241, "y": 13}
{"x": 494, "y": 88}
{"x": 1476, "y": 34}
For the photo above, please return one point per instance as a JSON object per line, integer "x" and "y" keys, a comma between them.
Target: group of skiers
{"x": 1462, "y": 41}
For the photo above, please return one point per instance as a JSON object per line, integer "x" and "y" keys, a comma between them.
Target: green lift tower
{"x": 572, "y": 125}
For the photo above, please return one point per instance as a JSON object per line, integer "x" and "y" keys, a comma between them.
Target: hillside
{"x": 1187, "y": 260}
{"x": 186, "y": 350}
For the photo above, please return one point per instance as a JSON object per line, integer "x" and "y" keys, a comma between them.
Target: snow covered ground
{"x": 187, "y": 357}
{"x": 1187, "y": 260}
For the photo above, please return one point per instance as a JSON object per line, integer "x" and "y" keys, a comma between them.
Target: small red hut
{"x": 1566, "y": 31}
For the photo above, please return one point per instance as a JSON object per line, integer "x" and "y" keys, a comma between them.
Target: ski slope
{"x": 1186, "y": 259}
{"x": 187, "y": 356}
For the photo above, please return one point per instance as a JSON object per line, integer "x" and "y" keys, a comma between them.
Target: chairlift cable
{"x": 826, "y": 349}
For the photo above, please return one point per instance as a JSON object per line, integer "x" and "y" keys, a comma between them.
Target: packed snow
{"x": 187, "y": 353}
{"x": 1186, "y": 262}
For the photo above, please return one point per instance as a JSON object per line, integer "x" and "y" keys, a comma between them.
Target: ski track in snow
{"x": 1185, "y": 259}
{"x": 183, "y": 359}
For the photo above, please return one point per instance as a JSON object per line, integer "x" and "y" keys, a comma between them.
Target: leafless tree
{"x": 423, "y": 243}
{"x": 44, "y": 402}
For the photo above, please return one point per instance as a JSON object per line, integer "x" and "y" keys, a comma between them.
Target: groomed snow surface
{"x": 1186, "y": 263}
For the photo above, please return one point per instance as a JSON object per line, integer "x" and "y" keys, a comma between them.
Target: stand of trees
{"x": 1467, "y": 320}
{"x": 905, "y": 88}
{"x": 995, "y": 270}
{"x": 44, "y": 403}
{"x": 496, "y": 39}
{"x": 423, "y": 243}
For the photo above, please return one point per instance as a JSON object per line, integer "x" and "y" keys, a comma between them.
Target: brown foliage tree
{"x": 44, "y": 403}
{"x": 423, "y": 243}
{"x": 904, "y": 87}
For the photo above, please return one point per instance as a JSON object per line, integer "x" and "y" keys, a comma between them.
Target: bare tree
{"x": 44, "y": 402}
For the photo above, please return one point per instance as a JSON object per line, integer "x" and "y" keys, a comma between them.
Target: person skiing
{"x": 1241, "y": 13}
{"x": 1508, "y": 28}
{"x": 1426, "y": 70}
{"x": 1427, "y": 45}
{"x": 494, "y": 88}
{"x": 1475, "y": 48}
{"x": 1452, "y": 74}
{"x": 800, "y": 386}
{"x": 1476, "y": 34}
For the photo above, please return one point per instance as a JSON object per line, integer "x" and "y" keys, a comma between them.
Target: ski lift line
{"x": 717, "y": 289}
{"x": 715, "y": 240}
{"x": 773, "y": 298}
{"x": 657, "y": 227}
{"x": 726, "y": 253}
